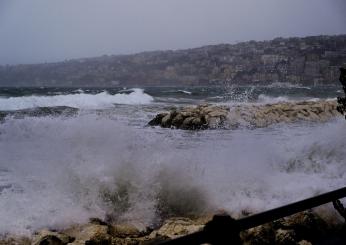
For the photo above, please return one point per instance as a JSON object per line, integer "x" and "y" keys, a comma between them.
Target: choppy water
{"x": 59, "y": 165}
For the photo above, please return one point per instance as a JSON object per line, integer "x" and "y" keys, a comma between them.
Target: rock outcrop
{"x": 254, "y": 115}
{"x": 44, "y": 237}
{"x": 176, "y": 227}
{"x": 200, "y": 117}
{"x": 303, "y": 228}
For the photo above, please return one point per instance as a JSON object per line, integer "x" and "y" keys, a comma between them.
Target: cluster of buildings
{"x": 310, "y": 60}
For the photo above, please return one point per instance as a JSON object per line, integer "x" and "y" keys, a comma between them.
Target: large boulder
{"x": 199, "y": 117}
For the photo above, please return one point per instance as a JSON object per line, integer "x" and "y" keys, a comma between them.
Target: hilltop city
{"x": 310, "y": 60}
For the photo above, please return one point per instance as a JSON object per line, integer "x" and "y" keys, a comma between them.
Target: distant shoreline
{"x": 309, "y": 61}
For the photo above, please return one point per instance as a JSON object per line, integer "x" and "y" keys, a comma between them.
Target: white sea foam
{"x": 271, "y": 100}
{"x": 266, "y": 99}
{"x": 234, "y": 96}
{"x": 81, "y": 100}
{"x": 178, "y": 91}
{"x": 56, "y": 171}
{"x": 287, "y": 85}
{"x": 80, "y": 91}
{"x": 184, "y": 92}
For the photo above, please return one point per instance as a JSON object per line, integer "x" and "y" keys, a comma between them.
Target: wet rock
{"x": 46, "y": 237}
{"x": 90, "y": 233}
{"x": 214, "y": 122}
{"x": 127, "y": 231}
{"x": 307, "y": 225}
{"x": 157, "y": 119}
{"x": 264, "y": 234}
{"x": 285, "y": 237}
{"x": 166, "y": 121}
{"x": 193, "y": 117}
{"x": 15, "y": 240}
{"x": 177, "y": 120}
{"x": 304, "y": 242}
{"x": 285, "y": 231}
{"x": 176, "y": 227}
{"x": 187, "y": 123}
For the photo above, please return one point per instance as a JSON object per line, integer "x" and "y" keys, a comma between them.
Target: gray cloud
{"x": 40, "y": 30}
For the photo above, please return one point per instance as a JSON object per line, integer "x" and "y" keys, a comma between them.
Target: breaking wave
{"x": 287, "y": 85}
{"x": 79, "y": 100}
{"x": 272, "y": 100}
{"x": 62, "y": 170}
{"x": 184, "y": 92}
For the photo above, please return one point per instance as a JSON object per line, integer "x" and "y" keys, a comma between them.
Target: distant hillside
{"x": 309, "y": 60}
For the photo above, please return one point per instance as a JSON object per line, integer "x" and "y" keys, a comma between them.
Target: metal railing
{"x": 223, "y": 229}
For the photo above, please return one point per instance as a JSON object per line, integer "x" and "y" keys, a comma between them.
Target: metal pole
{"x": 224, "y": 228}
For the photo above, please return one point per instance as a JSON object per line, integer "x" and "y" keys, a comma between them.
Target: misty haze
{"x": 172, "y": 122}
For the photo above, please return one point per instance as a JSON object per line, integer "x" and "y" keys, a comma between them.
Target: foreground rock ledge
{"x": 208, "y": 116}
{"x": 303, "y": 228}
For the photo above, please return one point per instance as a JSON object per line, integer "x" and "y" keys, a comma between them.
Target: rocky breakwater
{"x": 252, "y": 115}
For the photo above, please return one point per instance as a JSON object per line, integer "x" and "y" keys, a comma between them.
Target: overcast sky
{"x": 34, "y": 31}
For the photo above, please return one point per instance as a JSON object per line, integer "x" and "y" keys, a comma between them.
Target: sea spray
{"x": 59, "y": 170}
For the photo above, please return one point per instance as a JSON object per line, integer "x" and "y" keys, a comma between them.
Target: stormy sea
{"x": 69, "y": 154}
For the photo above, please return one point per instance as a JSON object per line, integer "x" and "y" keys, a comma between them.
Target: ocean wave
{"x": 59, "y": 171}
{"x": 179, "y": 91}
{"x": 79, "y": 91}
{"x": 287, "y": 85}
{"x": 39, "y": 112}
{"x": 79, "y": 100}
{"x": 266, "y": 99}
{"x": 184, "y": 92}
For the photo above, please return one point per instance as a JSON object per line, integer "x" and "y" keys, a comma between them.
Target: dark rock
{"x": 91, "y": 233}
{"x": 192, "y": 118}
{"x": 285, "y": 237}
{"x": 264, "y": 234}
{"x": 307, "y": 225}
{"x": 166, "y": 121}
{"x": 46, "y": 237}
{"x": 342, "y": 100}
{"x": 187, "y": 124}
{"x": 177, "y": 120}
{"x": 15, "y": 240}
{"x": 157, "y": 119}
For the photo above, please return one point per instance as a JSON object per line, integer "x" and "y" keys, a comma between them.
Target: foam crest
{"x": 80, "y": 100}
{"x": 286, "y": 85}
{"x": 265, "y": 99}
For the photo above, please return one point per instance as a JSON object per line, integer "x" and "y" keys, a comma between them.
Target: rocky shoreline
{"x": 207, "y": 116}
{"x": 303, "y": 228}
